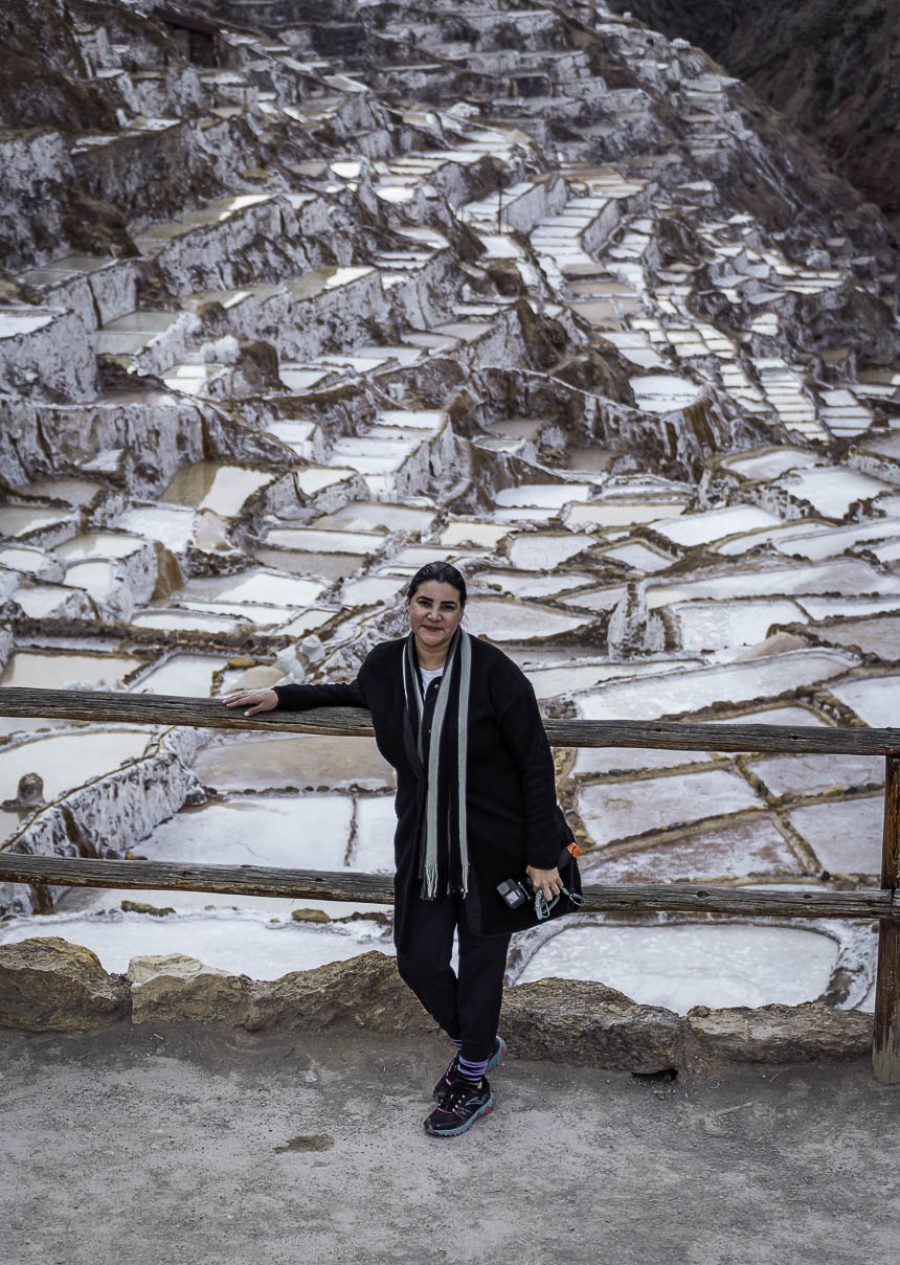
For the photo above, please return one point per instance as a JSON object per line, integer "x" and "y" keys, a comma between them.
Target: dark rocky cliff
{"x": 828, "y": 66}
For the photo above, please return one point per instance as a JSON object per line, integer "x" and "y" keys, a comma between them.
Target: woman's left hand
{"x": 547, "y": 881}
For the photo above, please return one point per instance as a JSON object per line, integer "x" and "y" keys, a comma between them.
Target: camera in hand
{"x": 515, "y": 892}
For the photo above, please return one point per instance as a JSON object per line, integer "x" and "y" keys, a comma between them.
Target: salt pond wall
{"x": 48, "y": 985}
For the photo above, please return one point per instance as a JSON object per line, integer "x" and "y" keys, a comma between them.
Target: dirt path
{"x": 131, "y": 1148}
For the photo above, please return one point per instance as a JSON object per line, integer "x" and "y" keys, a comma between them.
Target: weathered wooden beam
{"x": 101, "y": 707}
{"x": 886, "y": 1042}
{"x": 252, "y": 880}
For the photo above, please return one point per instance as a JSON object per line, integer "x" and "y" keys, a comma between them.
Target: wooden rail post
{"x": 886, "y": 1045}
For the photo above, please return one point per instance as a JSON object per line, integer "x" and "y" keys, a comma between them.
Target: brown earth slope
{"x": 830, "y": 67}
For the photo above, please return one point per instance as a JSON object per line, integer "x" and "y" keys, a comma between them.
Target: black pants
{"x": 467, "y": 1007}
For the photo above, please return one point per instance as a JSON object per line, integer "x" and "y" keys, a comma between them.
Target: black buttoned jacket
{"x": 513, "y": 816}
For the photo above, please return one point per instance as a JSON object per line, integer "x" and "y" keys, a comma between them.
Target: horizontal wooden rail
{"x": 105, "y": 707}
{"x": 347, "y": 885}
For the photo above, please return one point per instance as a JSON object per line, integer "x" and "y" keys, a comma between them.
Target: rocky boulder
{"x": 365, "y": 991}
{"x": 174, "y": 988}
{"x": 776, "y": 1034}
{"x": 49, "y": 985}
{"x": 585, "y": 1022}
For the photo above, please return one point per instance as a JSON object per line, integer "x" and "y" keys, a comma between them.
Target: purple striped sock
{"x": 470, "y": 1069}
{"x": 457, "y": 1041}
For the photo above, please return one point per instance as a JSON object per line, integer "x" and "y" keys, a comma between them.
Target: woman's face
{"x": 434, "y": 612}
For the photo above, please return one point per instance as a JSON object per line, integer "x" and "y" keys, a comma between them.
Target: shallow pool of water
{"x": 875, "y": 699}
{"x": 690, "y": 530}
{"x": 845, "y": 835}
{"x": 187, "y": 675}
{"x": 68, "y": 760}
{"x": 64, "y": 670}
{"x": 372, "y": 516}
{"x": 209, "y": 485}
{"x": 20, "y": 520}
{"x": 172, "y": 525}
{"x": 99, "y": 544}
{"x": 674, "y": 693}
{"x": 301, "y": 761}
{"x": 253, "y": 587}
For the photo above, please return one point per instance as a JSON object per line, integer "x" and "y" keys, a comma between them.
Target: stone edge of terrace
{"x": 49, "y": 985}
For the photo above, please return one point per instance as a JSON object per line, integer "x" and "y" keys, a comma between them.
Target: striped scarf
{"x": 444, "y": 850}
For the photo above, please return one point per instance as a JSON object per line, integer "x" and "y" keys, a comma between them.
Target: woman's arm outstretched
{"x": 297, "y": 698}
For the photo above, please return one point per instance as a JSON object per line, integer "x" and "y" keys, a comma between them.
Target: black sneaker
{"x": 460, "y": 1107}
{"x": 451, "y": 1073}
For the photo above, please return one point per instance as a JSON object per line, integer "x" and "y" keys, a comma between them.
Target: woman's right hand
{"x": 254, "y": 700}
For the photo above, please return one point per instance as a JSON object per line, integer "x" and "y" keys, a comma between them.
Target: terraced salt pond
{"x": 757, "y": 846}
{"x": 677, "y": 693}
{"x": 36, "y": 669}
{"x": 230, "y": 940}
{"x": 683, "y": 966}
{"x": 210, "y": 485}
{"x": 617, "y": 810}
{"x": 314, "y": 831}
{"x": 68, "y": 760}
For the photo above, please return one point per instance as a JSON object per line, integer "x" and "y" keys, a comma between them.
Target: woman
{"x": 476, "y": 805}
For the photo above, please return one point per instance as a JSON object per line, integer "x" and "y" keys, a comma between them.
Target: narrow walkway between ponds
{"x": 175, "y": 1147}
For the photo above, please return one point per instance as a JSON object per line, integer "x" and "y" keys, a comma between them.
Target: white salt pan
{"x": 675, "y": 693}
{"x": 619, "y": 810}
{"x": 544, "y": 552}
{"x": 683, "y": 966}
{"x": 66, "y": 761}
{"x": 240, "y": 943}
{"x": 698, "y": 529}
{"x": 662, "y": 393}
{"x": 875, "y": 699}
{"x": 845, "y": 836}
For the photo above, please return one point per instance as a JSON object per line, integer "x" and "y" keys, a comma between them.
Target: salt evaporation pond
{"x": 35, "y": 669}
{"x": 675, "y": 693}
{"x": 545, "y": 552}
{"x": 875, "y": 699}
{"x": 68, "y": 760}
{"x": 299, "y": 832}
{"x": 689, "y": 530}
{"x": 527, "y": 585}
{"x": 242, "y": 943}
{"x": 663, "y": 392}
{"x": 683, "y": 966}
{"x": 845, "y": 835}
{"x": 303, "y": 760}
{"x": 210, "y": 485}
{"x": 184, "y": 675}
{"x": 618, "y": 810}
{"x": 508, "y": 620}
{"x": 753, "y": 846}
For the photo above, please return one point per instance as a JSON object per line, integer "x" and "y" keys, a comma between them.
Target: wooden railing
{"x": 881, "y": 903}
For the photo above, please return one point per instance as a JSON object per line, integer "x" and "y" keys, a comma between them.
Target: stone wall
{"x": 48, "y": 985}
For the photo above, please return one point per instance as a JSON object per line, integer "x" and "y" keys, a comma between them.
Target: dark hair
{"x": 443, "y": 573}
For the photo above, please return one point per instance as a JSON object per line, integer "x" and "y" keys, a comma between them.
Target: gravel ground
{"x": 183, "y": 1147}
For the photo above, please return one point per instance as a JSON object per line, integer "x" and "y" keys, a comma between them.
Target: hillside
{"x": 828, "y": 66}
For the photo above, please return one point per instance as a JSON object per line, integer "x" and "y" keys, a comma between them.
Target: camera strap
{"x": 542, "y": 906}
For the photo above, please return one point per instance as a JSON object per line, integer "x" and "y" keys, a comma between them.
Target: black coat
{"x": 513, "y": 816}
